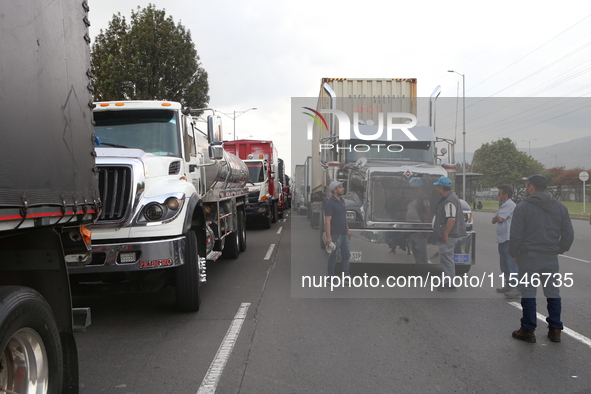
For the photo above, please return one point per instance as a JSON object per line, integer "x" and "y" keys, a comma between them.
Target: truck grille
{"x": 115, "y": 189}
{"x": 393, "y": 199}
{"x": 253, "y": 197}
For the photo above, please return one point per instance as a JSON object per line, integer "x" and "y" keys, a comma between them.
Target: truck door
{"x": 193, "y": 170}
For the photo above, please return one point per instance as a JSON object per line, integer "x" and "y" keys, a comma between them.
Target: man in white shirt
{"x": 503, "y": 222}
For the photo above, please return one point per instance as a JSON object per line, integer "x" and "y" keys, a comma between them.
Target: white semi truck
{"x": 367, "y": 137}
{"x": 173, "y": 199}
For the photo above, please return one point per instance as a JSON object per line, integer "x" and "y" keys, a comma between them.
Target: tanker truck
{"x": 173, "y": 199}
{"x": 265, "y": 202}
{"x": 366, "y": 136}
{"x": 48, "y": 190}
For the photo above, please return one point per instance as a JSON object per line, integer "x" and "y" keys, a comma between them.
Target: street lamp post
{"x": 463, "y": 132}
{"x": 235, "y": 116}
{"x": 555, "y": 157}
{"x": 529, "y": 144}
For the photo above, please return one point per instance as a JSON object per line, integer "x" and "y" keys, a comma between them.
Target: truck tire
{"x": 242, "y": 230}
{"x": 462, "y": 269}
{"x": 268, "y": 220}
{"x": 29, "y": 340}
{"x": 232, "y": 246}
{"x": 275, "y": 212}
{"x": 314, "y": 220}
{"x": 187, "y": 281}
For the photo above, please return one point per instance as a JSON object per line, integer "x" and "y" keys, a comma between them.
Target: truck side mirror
{"x": 216, "y": 152}
{"x": 214, "y": 129}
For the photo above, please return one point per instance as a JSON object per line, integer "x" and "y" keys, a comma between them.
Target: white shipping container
{"x": 370, "y": 98}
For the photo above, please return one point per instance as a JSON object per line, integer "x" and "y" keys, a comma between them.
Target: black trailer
{"x": 48, "y": 188}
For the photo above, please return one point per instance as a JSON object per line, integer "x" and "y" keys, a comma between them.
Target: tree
{"x": 565, "y": 179}
{"x": 151, "y": 58}
{"x": 553, "y": 176}
{"x": 501, "y": 163}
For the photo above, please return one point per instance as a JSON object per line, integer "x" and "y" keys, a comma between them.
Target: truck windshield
{"x": 415, "y": 151}
{"x": 153, "y": 131}
{"x": 255, "y": 172}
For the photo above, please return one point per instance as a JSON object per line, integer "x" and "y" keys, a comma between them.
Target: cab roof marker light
{"x": 119, "y": 104}
{"x": 104, "y": 104}
{"x": 166, "y": 104}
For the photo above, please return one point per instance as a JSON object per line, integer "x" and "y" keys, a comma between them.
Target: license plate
{"x": 355, "y": 256}
{"x": 462, "y": 258}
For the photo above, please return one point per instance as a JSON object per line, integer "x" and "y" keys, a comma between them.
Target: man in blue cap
{"x": 449, "y": 226}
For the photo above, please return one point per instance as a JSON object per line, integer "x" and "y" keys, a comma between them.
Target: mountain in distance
{"x": 570, "y": 154}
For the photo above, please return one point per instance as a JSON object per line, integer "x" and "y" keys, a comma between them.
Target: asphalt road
{"x": 374, "y": 340}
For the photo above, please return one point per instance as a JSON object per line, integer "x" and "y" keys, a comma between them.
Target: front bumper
{"x": 257, "y": 211}
{"x": 134, "y": 256}
{"x": 405, "y": 247}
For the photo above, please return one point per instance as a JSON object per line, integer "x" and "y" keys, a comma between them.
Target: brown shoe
{"x": 554, "y": 334}
{"x": 527, "y": 336}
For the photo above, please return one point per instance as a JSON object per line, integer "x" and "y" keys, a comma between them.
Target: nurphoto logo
{"x": 345, "y": 128}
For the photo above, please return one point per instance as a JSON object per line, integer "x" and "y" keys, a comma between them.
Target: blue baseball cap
{"x": 443, "y": 181}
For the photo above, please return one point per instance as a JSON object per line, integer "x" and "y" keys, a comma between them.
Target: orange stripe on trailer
{"x": 44, "y": 215}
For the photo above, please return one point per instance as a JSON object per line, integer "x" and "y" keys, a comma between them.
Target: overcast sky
{"x": 261, "y": 53}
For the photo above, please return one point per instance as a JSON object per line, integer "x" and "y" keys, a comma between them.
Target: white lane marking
{"x": 279, "y": 231}
{"x": 212, "y": 377}
{"x": 269, "y": 252}
{"x": 284, "y": 220}
{"x": 574, "y": 258}
{"x": 581, "y": 338}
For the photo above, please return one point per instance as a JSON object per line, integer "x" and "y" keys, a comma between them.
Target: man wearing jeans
{"x": 541, "y": 230}
{"x": 503, "y": 221}
{"x": 337, "y": 229}
{"x": 448, "y": 227}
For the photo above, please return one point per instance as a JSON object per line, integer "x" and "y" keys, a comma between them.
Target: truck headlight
{"x": 173, "y": 203}
{"x": 351, "y": 215}
{"x": 153, "y": 212}
{"x": 161, "y": 209}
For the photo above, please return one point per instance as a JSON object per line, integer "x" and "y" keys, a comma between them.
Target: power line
{"x": 524, "y": 56}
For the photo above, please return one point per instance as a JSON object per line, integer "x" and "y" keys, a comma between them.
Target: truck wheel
{"x": 275, "y": 212}
{"x": 232, "y": 247}
{"x": 314, "y": 220}
{"x": 462, "y": 269}
{"x": 187, "y": 281}
{"x": 242, "y": 230}
{"x": 31, "y": 358}
{"x": 268, "y": 220}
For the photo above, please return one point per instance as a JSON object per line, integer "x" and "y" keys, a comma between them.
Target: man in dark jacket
{"x": 541, "y": 230}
